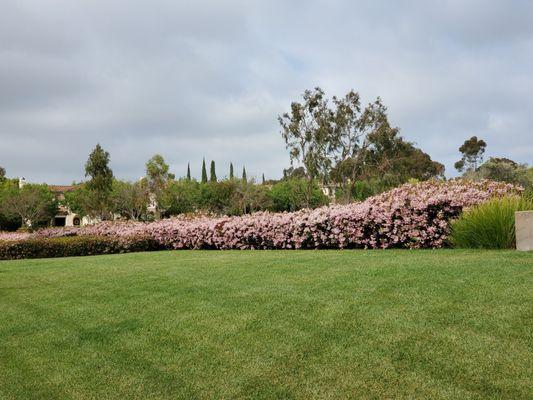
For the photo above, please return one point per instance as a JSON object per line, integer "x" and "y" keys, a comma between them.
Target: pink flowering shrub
{"x": 14, "y": 236}
{"x": 411, "y": 216}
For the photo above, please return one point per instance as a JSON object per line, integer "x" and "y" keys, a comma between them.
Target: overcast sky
{"x": 208, "y": 78}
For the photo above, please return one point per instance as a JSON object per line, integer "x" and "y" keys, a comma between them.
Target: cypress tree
{"x": 244, "y": 174}
{"x": 231, "y": 171}
{"x": 189, "y": 172}
{"x": 204, "y": 172}
{"x": 263, "y": 179}
{"x": 212, "y": 173}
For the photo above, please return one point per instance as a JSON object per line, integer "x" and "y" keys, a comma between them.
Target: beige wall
{"x": 524, "y": 230}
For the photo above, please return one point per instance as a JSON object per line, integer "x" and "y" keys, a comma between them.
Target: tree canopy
{"x": 97, "y": 168}
{"x": 340, "y": 142}
{"x": 100, "y": 184}
{"x": 34, "y": 205}
{"x": 157, "y": 173}
{"x": 472, "y": 154}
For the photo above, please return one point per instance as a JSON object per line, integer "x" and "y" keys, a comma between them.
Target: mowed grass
{"x": 444, "y": 324}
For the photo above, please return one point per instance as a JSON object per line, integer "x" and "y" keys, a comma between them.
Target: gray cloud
{"x": 207, "y": 79}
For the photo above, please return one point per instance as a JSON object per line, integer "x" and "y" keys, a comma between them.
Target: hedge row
{"x": 411, "y": 216}
{"x": 74, "y": 246}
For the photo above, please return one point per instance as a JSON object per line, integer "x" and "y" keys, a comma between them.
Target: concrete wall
{"x": 524, "y": 230}
{"x": 69, "y": 221}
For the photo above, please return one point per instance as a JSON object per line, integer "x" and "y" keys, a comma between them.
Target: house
{"x": 64, "y": 216}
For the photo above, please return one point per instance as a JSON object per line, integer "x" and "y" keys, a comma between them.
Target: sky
{"x": 208, "y": 78}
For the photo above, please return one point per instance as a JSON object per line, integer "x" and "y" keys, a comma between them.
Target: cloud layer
{"x": 208, "y": 79}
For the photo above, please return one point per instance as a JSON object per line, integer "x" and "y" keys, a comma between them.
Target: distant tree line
{"x": 336, "y": 146}
{"x": 160, "y": 194}
{"x": 495, "y": 168}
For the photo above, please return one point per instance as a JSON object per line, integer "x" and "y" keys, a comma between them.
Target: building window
{"x": 60, "y": 221}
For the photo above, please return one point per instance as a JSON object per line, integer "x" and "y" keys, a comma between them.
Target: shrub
{"x": 226, "y": 197}
{"x": 490, "y": 225}
{"x": 8, "y": 222}
{"x": 41, "y": 247}
{"x": 291, "y": 195}
{"x": 411, "y": 216}
{"x": 34, "y": 205}
{"x": 179, "y": 197}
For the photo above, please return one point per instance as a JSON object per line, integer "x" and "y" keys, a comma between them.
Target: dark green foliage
{"x": 291, "y": 195}
{"x": 158, "y": 176}
{"x": 97, "y": 203}
{"x": 340, "y": 142}
{"x": 359, "y": 191}
{"x": 74, "y": 246}
{"x": 212, "y": 172}
{"x": 157, "y": 173}
{"x": 180, "y": 197}
{"x": 237, "y": 197}
{"x": 8, "y": 222}
{"x": 227, "y": 197}
{"x": 130, "y": 200}
{"x": 97, "y": 168}
{"x": 504, "y": 170}
{"x": 86, "y": 202}
{"x": 389, "y": 154}
{"x": 490, "y": 225}
{"x": 204, "y": 172}
{"x": 231, "y": 175}
{"x": 220, "y": 198}
{"x": 472, "y": 150}
{"x": 384, "y": 160}
{"x": 76, "y": 200}
{"x": 291, "y": 172}
{"x": 2, "y": 174}
{"x": 188, "y": 171}
{"x": 244, "y": 178}
{"x": 33, "y": 205}
{"x": 263, "y": 179}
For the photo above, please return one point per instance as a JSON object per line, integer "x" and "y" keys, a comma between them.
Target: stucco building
{"x": 64, "y": 216}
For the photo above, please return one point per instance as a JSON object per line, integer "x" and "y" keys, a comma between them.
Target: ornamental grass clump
{"x": 490, "y": 225}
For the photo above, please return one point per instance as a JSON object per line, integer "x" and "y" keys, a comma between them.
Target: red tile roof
{"x": 62, "y": 188}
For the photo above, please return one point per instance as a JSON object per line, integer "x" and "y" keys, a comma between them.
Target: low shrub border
{"x": 74, "y": 246}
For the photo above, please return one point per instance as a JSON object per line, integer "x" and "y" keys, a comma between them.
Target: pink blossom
{"x": 410, "y": 216}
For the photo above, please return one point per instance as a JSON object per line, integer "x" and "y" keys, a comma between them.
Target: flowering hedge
{"x": 411, "y": 216}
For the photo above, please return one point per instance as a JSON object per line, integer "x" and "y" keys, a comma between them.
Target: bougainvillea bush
{"x": 411, "y": 216}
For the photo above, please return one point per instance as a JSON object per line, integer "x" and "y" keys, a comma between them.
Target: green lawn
{"x": 261, "y": 325}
